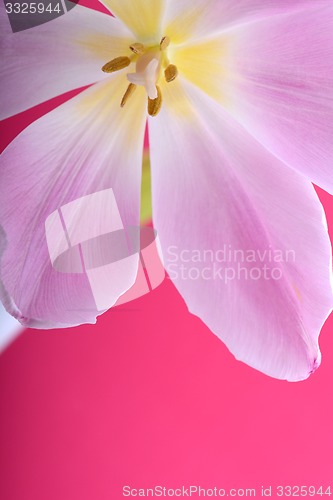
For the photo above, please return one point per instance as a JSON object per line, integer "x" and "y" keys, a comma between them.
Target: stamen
{"x": 149, "y": 62}
{"x": 171, "y": 73}
{"x": 116, "y": 64}
{"x": 130, "y": 91}
{"x": 165, "y": 42}
{"x": 138, "y": 48}
{"x": 154, "y": 105}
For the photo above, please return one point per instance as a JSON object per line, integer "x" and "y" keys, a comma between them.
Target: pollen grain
{"x": 155, "y": 105}
{"x": 116, "y": 64}
{"x": 170, "y": 73}
{"x": 129, "y": 92}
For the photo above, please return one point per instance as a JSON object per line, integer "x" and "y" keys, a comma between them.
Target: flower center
{"x": 149, "y": 62}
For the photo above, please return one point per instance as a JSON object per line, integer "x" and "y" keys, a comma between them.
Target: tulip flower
{"x": 238, "y": 98}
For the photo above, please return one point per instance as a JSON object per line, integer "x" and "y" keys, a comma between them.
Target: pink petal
{"x": 279, "y": 85}
{"x": 69, "y": 189}
{"x": 56, "y": 57}
{"x": 190, "y": 19}
{"x": 216, "y": 189}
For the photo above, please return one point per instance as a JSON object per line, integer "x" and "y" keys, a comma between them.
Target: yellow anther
{"x": 171, "y": 73}
{"x": 138, "y": 48}
{"x": 154, "y": 105}
{"x": 165, "y": 42}
{"x": 116, "y": 64}
{"x": 130, "y": 91}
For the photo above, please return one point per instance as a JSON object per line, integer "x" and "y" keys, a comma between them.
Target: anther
{"x": 165, "y": 42}
{"x": 138, "y": 48}
{"x": 130, "y": 91}
{"x": 154, "y": 105}
{"x": 171, "y": 73}
{"x": 116, "y": 64}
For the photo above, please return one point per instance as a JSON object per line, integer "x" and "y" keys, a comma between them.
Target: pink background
{"x": 149, "y": 396}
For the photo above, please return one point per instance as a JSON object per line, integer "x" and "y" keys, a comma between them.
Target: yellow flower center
{"x": 149, "y": 62}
